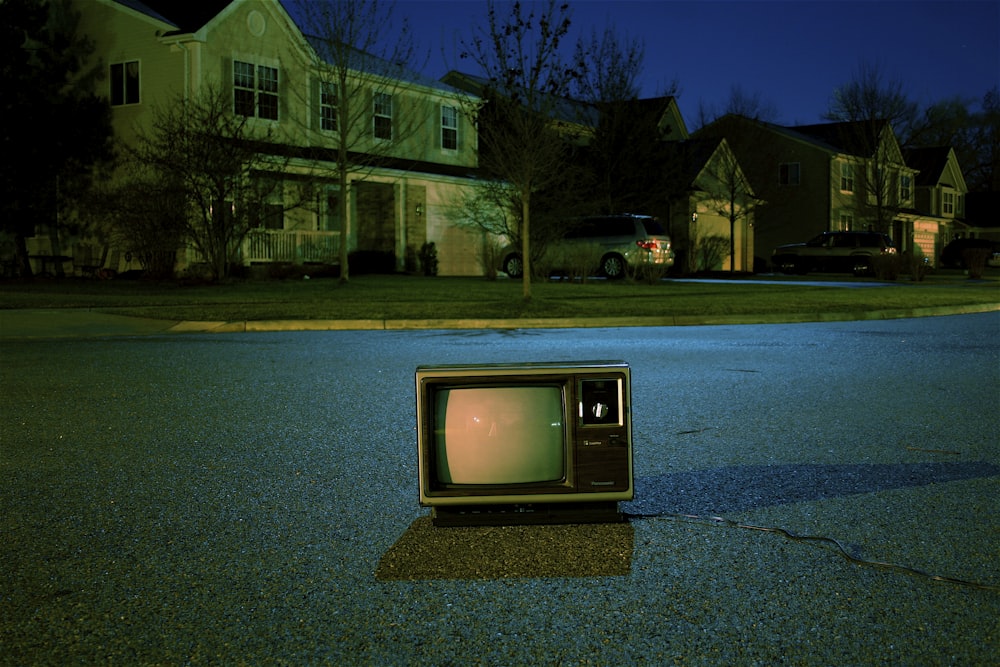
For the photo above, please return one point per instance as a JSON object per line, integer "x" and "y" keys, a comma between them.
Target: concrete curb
{"x": 571, "y": 323}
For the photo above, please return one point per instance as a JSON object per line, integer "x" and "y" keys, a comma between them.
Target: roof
{"x": 853, "y": 138}
{"x": 931, "y": 161}
{"x": 185, "y": 16}
{"x": 689, "y": 157}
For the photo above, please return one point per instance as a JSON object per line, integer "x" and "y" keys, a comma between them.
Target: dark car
{"x": 835, "y": 252}
{"x": 953, "y": 255}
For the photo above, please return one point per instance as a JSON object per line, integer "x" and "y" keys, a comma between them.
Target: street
{"x": 225, "y": 497}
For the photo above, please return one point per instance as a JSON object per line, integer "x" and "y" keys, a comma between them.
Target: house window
{"x": 789, "y": 173}
{"x": 905, "y": 187}
{"x": 948, "y": 203}
{"x": 125, "y": 83}
{"x": 449, "y": 128}
{"x": 382, "y": 128}
{"x": 255, "y": 90}
{"x": 847, "y": 178}
{"x": 846, "y": 222}
{"x": 328, "y": 106}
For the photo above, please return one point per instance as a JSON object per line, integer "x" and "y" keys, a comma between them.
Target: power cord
{"x": 722, "y": 521}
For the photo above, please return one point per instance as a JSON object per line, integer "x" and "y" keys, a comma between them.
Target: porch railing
{"x": 295, "y": 246}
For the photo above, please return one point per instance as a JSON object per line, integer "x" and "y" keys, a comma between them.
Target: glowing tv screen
{"x": 535, "y": 435}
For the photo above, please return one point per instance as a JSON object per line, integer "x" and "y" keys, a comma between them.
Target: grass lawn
{"x": 418, "y": 297}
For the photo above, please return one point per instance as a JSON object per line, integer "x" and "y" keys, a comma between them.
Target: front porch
{"x": 265, "y": 246}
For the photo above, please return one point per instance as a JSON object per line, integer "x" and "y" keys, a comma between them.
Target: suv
{"x": 615, "y": 242}
{"x": 853, "y": 252}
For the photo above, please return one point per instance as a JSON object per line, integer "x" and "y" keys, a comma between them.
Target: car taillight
{"x": 649, "y": 244}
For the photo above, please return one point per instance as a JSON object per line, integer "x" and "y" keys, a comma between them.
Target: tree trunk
{"x": 526, "y": 242}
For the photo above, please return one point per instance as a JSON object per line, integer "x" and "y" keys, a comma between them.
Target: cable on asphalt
{"x": 722, "y": 521}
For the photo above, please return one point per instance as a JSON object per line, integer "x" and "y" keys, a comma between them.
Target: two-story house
{"x": 703, "y": 190}
{"x": 157, "y": 51}
{"x": 817, "y": 178}
{"x": 939, "y": 196}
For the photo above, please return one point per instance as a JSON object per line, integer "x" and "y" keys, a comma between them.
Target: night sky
{"x": 792, "y": 54}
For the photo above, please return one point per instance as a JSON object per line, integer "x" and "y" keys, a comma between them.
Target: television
{"x": 516, "y": 443}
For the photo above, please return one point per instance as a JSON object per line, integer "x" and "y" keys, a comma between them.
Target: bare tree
{"x": 622, "y": 150}
{"x": 740, "y": 103}
{"x": 522, "y": 133}
{"x": 218, "y": 165}
{"x": 362, "y": 67}
{"x": 868, "y": 109}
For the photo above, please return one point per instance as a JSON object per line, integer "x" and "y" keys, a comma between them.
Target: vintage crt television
{"x": 524, "y": 443}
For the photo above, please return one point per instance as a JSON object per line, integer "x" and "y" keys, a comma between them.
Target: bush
{"x": 650, "y": 274}
{"x": 489, "y": 255}
{"x": 975, "y": 260}
{"x": 581, "y": 260}
{"x": 887, "y": 267}
{"x": 429, "y": 258}
{"x": 919, "y": 264}
{"x": 709, "y": 251}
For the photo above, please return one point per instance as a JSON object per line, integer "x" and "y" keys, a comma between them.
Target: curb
{"x": 248, "y": 326}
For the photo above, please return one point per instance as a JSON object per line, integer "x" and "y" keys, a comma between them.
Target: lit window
{"x": 255, "y": 90}
{"x": 449, "y": 128}
{"x": 948, "y": 203}
{"x": 789, "y": 173}
{"x": 383, "y": 116}
{"x": 905, "y": 187}
{"x": 125, "y": 83}
{"x": 847, "y": 178}
{"x": 328, "y": 106}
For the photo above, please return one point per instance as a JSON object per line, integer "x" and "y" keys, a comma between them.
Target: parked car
{"x": 852, "y": 252}
{"x": 616, "y": 243}
{"x": 953, "y": 254}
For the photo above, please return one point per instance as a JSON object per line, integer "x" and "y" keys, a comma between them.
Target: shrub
{"x": 579, "y": 261}
{"x": 975, "y": 260}
{"x": 886, "y": 267}
{"x": 489, "y": 255}
{"x": 919, "y": 264}
{"x": 429, "y": 258}
{"x": 650, "y": 274}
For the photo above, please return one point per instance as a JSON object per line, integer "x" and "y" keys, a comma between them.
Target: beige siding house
{"x": 817, "y": 178}
{"x": 939, "y": 200}
{"x": 157, "y": 50}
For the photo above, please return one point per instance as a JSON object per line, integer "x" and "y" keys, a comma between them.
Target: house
{"x": 817, "y": 178}
{"x": 939, "y": 200}
{"x": 697, "y": 187}
{"x": 711, "y": 200}
{"x": 275, "y": 75}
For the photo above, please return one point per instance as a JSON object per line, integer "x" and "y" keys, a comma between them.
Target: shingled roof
{"x": 931, "y": 162}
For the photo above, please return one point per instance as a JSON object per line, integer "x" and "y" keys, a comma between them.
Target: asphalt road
{"x": 227, "y": 498}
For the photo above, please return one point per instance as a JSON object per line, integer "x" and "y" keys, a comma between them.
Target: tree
{"x": 56, "y": 131}
{"x": 868, "y": 109}
{"x": 740, "y": 103}
{"x": 362, "y": 66}
{"x": 522, "y": 137}
{"x": 214, "y": 161}
{"x": 975, "y": 136}
{"x": 621, "y": 152}
{"x": 734, "y": 196}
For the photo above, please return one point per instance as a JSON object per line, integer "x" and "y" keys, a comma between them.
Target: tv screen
{"x": 537, "y": 441}
{"x": 500, "y": 435}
